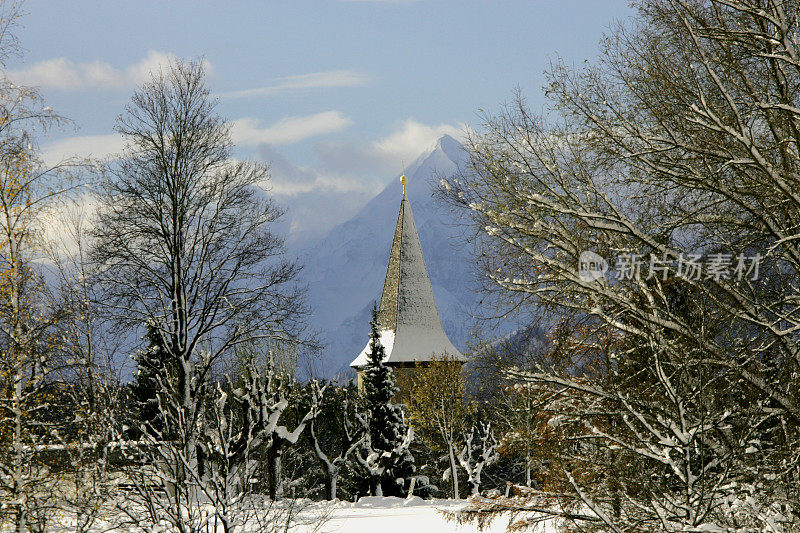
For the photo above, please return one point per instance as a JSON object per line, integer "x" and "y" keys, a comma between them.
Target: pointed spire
{"x": 387, "y": 312}
{"x": 408, "y": 314}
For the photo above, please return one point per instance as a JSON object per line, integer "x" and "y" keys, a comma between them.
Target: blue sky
{"x": 334, "y": 94}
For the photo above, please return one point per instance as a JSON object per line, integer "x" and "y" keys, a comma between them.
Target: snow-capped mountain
{"x": 345, "y": 269}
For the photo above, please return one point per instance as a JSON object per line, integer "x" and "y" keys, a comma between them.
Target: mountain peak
{"x": 447, "y": 141}
{"x": 452, "y": 148}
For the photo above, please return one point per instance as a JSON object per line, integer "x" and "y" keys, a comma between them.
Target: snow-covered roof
{"x": 411, "y": 326}
{"x": 387, "y": 340}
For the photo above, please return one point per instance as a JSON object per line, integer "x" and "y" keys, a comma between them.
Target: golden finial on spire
{"x": 403, "y": 179}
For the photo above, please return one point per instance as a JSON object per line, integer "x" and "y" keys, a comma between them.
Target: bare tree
{"x": 478, "y": 452}
{"x": 676, "y": 156}
{"x": 352, "y": 437}
{"x": 183, "y": 243}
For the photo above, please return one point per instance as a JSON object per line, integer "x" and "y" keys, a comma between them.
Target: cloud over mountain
{"x": 344, "y": 174}
{"x": 405, "y": 143}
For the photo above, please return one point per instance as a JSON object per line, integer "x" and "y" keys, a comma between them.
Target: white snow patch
{"x": 390, "y": 514}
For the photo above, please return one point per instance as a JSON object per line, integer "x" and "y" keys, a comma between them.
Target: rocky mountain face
{"x": 345, "y": 269}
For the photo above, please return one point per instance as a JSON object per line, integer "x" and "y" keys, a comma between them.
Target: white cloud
{"x": 412, "y": 138}
{"x": 313, "y": 80}
{"x": 309, "y": 192}
{"x": 246, "y": 131}
{"x": 62, "y": 73}
{"x": 96, "y": 146}
{"x": 322, "y": 183}
{"x": 67, "y": 224}
{"x": 154, "y": 62}
{"x": 388, "y": 153}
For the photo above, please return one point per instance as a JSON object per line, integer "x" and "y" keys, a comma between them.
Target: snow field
{"x": 398, "y": 515}
{"x": 379, "y": 514}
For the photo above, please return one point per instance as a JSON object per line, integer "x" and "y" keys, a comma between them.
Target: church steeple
{"x": 411, "y": 327}
{"x": 387, "y": 312}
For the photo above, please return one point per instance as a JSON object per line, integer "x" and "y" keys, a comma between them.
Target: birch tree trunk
{"x": 453, "y": 472}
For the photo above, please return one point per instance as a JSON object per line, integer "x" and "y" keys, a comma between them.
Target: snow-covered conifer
{"x": 386, "y": 424}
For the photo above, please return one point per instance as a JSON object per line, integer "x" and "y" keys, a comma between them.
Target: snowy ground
{"x": 378, "y": 514}
{"x": 391, "y": 515}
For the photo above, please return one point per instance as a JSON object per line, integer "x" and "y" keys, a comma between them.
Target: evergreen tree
{"x": 386, "y": 423}
{"x": 153, "y": 365}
